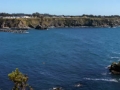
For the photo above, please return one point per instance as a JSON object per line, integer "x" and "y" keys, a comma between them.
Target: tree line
{"x": 37, "y": 14}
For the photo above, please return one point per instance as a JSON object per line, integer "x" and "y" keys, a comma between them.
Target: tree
{"x": 36, "y": 14}
{"x": 19, "y": 80}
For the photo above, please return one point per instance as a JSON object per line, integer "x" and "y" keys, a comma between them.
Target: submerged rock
{"x": 115, "y": 68}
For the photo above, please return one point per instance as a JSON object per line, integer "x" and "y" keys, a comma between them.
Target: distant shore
{"x": 50, "y": 22}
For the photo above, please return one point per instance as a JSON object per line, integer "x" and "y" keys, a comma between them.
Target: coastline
{"x": 24, "y": 30}
{"x": 45, "y": 23}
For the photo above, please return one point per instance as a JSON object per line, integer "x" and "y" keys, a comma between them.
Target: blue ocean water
{"x": 62, "y": 57}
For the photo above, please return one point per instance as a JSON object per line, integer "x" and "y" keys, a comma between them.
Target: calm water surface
{"x": 62, "y": 57}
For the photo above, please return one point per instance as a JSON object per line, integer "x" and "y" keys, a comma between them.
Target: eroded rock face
{"x": 21, "y": 24}
{"x": 40, "y": 27}
{"x": 31, "y": 26}
{"x": 12, "y": 23}
{"x": 59, "y": 22}
{"x": 115, "y": 68}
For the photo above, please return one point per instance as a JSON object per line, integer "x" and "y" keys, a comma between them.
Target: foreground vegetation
{"x": 19, "y": 80}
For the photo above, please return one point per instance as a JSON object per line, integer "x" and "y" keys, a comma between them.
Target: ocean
{"x": 71, "y": 58}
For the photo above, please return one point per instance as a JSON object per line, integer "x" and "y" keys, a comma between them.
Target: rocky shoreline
{"x": 44, "y": 23}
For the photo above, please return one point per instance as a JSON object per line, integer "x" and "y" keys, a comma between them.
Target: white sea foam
{"x": 116, "y": 52}
{"x": 114, "y": 57}
{"x": 119, "y": 60}
{"x": 26, "y": 32}
{"x": 107, "y": 67}
{"x": 78, "y": 85}
{"x": 96, "y": 79}
{"x": 104, "y": 74}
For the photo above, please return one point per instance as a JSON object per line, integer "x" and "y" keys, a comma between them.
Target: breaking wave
{"x": 107, "y": 80}
{"x": 114, "y": 57}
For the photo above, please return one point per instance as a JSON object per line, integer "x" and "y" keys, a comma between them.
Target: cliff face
{"x": 11, "y": 23}
{"x": 59, "y": 22}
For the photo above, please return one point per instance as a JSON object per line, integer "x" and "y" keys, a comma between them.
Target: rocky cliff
{"x": 60, "y": 22}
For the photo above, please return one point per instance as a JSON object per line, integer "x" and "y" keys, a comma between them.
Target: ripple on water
{"x": 61, "y": 57}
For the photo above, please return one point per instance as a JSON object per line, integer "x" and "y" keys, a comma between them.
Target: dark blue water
{"x": 62, "y": 57}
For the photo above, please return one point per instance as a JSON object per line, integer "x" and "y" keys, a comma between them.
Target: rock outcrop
{"x": 12, "y": 23}
{"x": 115, "y": 68}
